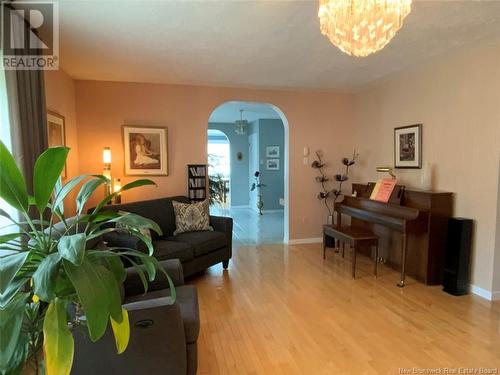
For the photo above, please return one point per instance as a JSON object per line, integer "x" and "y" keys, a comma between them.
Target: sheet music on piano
{"x": 383, "y": 189}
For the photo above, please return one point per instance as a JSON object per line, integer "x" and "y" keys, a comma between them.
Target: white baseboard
{"x": 247, "y": 206}
{"x": 302, "y": 241}
{"x": 271, "y": 211}
{"x": 486, "y": 294}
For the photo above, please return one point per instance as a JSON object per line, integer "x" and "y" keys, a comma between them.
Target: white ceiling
{"x": 230, "y": 112}
{"x": 272, "y": 44}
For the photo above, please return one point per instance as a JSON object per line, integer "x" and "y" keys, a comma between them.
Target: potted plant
{"x": 258, "y": 185}
{"x": 218, "y": 189}
{"x": 48, "y": 269}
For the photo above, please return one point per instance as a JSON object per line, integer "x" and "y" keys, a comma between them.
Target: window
{"x": 5, "y": 138}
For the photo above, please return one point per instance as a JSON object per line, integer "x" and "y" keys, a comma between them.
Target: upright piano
{"x": 411, "y": 228}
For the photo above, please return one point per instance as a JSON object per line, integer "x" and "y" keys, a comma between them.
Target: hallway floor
{"x": 250, "y": 228}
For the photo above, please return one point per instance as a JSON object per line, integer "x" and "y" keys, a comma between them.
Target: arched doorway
{"x": 258, "y": 135}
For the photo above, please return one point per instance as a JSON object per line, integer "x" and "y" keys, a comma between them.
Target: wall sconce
{"x": 117, "y": 186}
{"x": 387, "y": 170}
{"x": 106, "y": 159}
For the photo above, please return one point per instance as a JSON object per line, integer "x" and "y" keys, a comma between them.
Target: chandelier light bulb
{"x": 362, "y": 27}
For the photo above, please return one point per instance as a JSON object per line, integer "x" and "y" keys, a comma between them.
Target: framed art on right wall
{"x": 408, "y": 146}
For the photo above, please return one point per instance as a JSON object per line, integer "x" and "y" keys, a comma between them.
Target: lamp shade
{"x": 106, "y": 155}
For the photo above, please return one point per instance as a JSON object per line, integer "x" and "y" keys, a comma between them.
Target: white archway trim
{"x": 284, "y": 120}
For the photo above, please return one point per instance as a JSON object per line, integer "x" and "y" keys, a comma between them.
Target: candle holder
{"x": 106, "y": 159}
{"x": 117, "y": 186}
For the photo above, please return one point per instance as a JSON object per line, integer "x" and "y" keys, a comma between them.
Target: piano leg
{"x": 343, "y": 249}
{"x": 403, "y": 263}
{"x": 375, "y": 271}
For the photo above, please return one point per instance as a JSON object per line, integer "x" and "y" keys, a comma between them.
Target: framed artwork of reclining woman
{"x": 145, "y": 150}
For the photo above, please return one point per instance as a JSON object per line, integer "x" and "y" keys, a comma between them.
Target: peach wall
{"x": 60, "y": 98}
{"x": 457, "y": 100}
{"x": 319, "y": 120}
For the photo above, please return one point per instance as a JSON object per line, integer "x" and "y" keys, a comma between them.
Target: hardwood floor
{"x": 284, "y": 310}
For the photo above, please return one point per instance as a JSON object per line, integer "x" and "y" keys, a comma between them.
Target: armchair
{"x": 163, "y": 336}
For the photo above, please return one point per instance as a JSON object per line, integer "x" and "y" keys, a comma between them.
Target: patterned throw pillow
{"x": 126, "y": 228}
{"x": 191, "y": 217}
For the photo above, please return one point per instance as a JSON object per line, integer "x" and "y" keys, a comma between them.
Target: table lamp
{"x": 117, "y": 186}
{"x": 106, "y": 159}
{"x": 388, "y": 170}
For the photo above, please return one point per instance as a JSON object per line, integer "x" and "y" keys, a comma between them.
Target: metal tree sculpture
{"x": 336, "y": 193}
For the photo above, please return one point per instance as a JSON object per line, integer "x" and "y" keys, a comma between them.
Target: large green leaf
{"x": 137, "y": 183}
{"x": 9, "y": 237}
{"x": 19, "y": 356}
{"x": 150, "y": 267}
{"x": 114, "y": 297}
{"x": 11, "y": 319}
{"x": 144, "y": 239}
{"x": 5, "y": 214}
{"x": 92, "y": 294}
{"x": 132, "y": 231}
{"x": 45, "y": 277}
{"x": 86, "y": 191}
{"x": 58, "y": 343}
{"x": 140, "y": 271}
{"x": 101, "y": 216}
{"x": 72, "y": 247}
{"x": 134, "y": 220}
{"x": 116, "y": 267}
{"x": 61, "y": 194}
{"x": 48, "y": 168}
{"x": 12, "y": 289}
{"x": 121, "y": 331}
{"x": 9, "y": 266}
{"x": 130, "y": 185}
{"x": 12, "y": 183}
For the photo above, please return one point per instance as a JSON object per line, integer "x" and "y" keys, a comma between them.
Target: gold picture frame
{"x": 56, "y": 133}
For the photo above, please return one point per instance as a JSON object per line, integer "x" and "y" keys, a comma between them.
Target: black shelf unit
{"x": 197, "y": 184}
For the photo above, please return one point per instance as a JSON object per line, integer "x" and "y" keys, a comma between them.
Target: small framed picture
{"x": 146, "y": 150}
{"x": 56, "y": 132}
{"x": 273, "y": 164}
{"x": 273, "y": 151}
{"x": 408, "y": 146}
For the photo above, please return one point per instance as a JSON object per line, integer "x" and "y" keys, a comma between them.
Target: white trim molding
{"x": 486, "y": 294}
{"x": 302, "y": 241}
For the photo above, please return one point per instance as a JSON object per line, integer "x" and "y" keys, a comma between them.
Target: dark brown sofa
{"x": 196, "y": 250}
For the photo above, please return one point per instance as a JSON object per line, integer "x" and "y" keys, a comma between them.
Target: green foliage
{"x": 258, "y": 185}
{"x": 44, "y": 269}
{"x": 48, "y": 168}
{"x": 218, "y": 189}
{"x": 58, "y": 345}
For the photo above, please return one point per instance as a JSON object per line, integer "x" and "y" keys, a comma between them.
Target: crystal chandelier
{"x": 240, "y": 126}
{"x": 362, "y": 27}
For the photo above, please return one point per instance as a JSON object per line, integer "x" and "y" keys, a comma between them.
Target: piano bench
{"x": 353, "y": 236}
